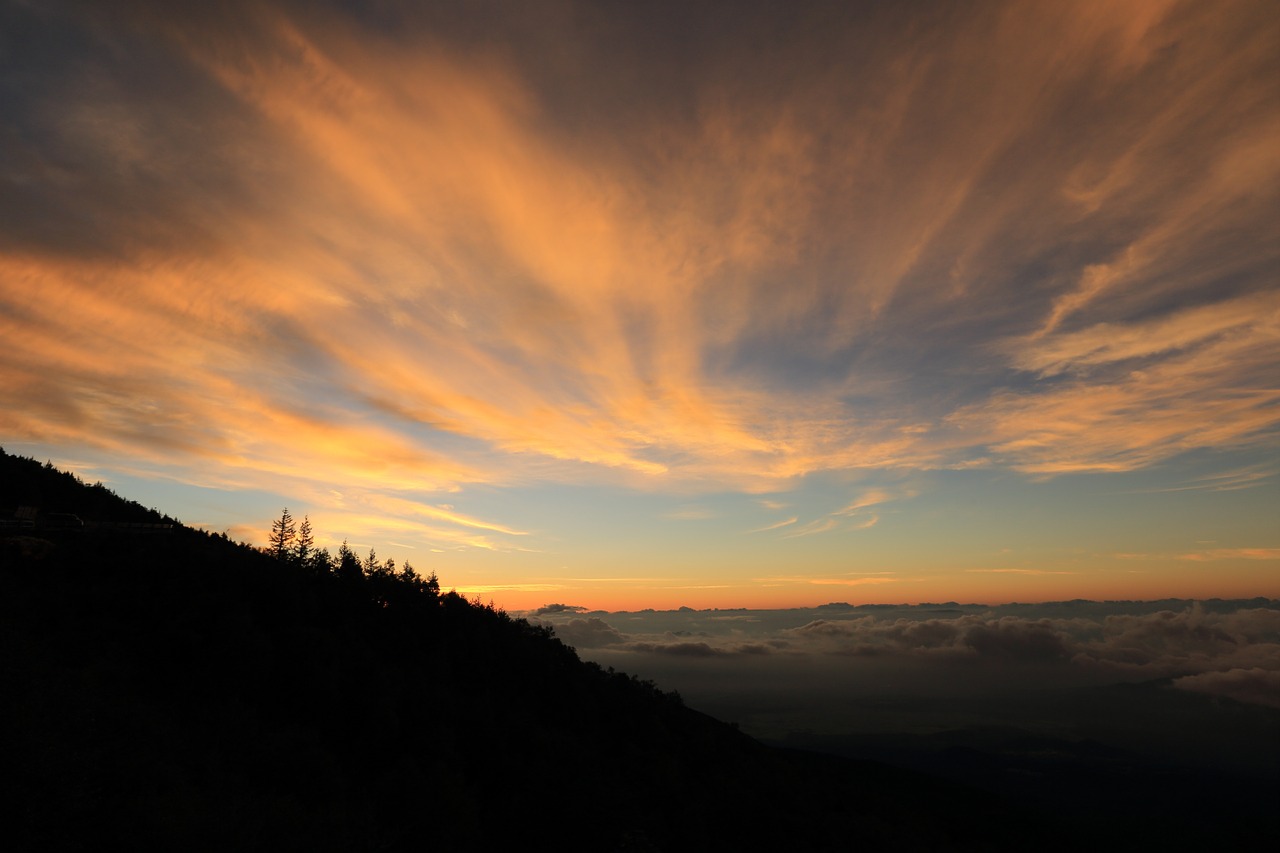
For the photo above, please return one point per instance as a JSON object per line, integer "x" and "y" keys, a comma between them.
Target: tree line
{"x": 294, "y": 544}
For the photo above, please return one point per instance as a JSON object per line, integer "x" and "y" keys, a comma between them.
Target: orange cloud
{"x": 1233, "y": 554}
{"x": 425, "y": 283}
{"x": 1018, "y": 572}
{"x": 1117, "y": 418}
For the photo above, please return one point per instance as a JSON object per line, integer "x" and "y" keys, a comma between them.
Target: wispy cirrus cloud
{"x": 1233, "y": 554}
{"x": 691, "y": 512}
{"x": 854, "y": 515}
{"x": 1209, "y": 389}
{"x": 777, "y": 525}
{"x": 1251, "y": 322}
{"x": 1246, "y": 477}
{"x": 848, "y": 579}
{"x": 401, "y": 506}
{"x": 1020, "y": 572}
{"x": 852, "y": 581}
{"x": 812, "y": 528}
{"x": 871, "y": 498}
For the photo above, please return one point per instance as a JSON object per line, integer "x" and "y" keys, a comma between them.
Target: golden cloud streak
{"x": 776, "y": 525}
{"x": 861, "y": 580}
{"x": 1234, "y": 554}
{"x": 1018, "y": 572}
{"x": 1190, "y": 398}
{"x": 403, "y": 507}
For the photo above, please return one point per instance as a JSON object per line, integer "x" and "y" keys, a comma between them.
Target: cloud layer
{"x": 1073, "y": 669}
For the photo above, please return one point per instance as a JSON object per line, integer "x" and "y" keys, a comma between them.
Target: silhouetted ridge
{"x": 183, "y": 691}
{"x": 30, "y": 485}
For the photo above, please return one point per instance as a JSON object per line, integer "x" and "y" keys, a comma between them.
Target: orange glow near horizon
{"x": 1115, "y": 582}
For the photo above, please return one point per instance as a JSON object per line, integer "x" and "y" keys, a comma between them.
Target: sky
{"x": 658, "y": 304}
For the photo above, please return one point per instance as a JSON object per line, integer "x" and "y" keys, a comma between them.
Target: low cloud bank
{"x": 1257, "y": 685}
{"x": 589, "y": 633}
{"x": 1162, "y": 644}
{"x": 1223, "y": 648}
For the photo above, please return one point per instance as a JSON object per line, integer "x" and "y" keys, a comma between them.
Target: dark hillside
{"x": 29, "y": 485}
{"x": 170, "y": 689}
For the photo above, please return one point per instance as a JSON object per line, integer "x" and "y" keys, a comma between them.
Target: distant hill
{"x": 165, "y": 688}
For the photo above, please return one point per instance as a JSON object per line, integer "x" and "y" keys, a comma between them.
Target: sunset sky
{"x": 629, "y": 305}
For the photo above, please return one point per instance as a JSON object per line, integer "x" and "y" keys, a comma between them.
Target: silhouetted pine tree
{"x": 304, "y": 549}
{"x": 283, "y": 532}
{"x": 321, "y": 562}
{"x": 349, "y": 565}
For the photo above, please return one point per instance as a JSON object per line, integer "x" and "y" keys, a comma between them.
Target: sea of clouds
{"x": 842, "y": 668}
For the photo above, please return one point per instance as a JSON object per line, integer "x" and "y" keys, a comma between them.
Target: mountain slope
{"x": 167, "y": 688}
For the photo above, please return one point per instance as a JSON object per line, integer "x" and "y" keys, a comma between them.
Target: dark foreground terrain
{"x": 164, "y": 688}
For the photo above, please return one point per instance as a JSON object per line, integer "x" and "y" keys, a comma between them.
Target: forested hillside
{"x": 166, "y": 688}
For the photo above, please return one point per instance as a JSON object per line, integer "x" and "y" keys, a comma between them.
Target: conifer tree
{"x": 283, "y": 532}
{"x": 349, "y": 565}
{"x": 322, "y": 562}
{"x": 304, "y": 551}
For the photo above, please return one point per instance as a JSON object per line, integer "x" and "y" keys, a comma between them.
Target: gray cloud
{"x": 549, "y": 609}
{"x": 590, "y": 633}
{"x": 121, "y": 145}
{"x": 1255, "y": 685}
{"x": 1072, "y": 642}
{"x": 1018, "y": 640}
{"x": 1129, "y": 674}
{"x": 680, "y": 649}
